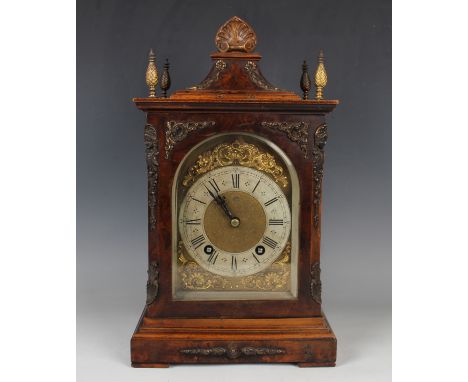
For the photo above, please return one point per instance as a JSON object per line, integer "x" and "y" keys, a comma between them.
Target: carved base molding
{"x": 233, "y": 352}
{"x": 307, "y": 341}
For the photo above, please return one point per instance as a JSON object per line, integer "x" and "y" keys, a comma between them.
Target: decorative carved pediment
{"x": 235, "y": 73}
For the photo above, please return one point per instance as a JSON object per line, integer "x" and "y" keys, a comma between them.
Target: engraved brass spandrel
{"x": 177, "y": 131}
{"x": 194, "y": 277}
{"x": 296, "y": 131}
{"x": 237, "y": 153}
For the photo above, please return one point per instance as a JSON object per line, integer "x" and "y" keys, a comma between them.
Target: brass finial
{"x": 165, "y": 79}
{"x": 305, "y": 81}
{"x": 152, "y": 74}
{"x": 320, "y": 77}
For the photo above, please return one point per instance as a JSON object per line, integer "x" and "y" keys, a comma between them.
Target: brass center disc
{"x": 235, "y": 239}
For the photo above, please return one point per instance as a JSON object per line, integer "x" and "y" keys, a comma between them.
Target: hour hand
{"x": 235, "y": 222}
{"x": 223, "y": 204}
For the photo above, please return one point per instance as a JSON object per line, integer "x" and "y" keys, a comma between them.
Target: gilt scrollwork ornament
{"x": 315, "y": 283}
{"x": 152, "y": 285}
{"x": 237, "y": 153}
{"x": 233, "y": 352}
{"x": 177, "y": 131}
{"x": 297, "y": 132}
{"x": 320, "y": 140}
{"x": 194, "y": 277}
{"x": 257, "y": 78}
{"x": 321, "y": 136}
{"x": 152, "y": 163}
{"x": 212, "y": 76}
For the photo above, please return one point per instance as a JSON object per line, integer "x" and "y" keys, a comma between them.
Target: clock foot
{"x": 153, "y": 365}
{"x": 316, "y": 364}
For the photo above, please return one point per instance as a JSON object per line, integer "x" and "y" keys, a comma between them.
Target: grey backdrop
{"x": 113, "y": 38}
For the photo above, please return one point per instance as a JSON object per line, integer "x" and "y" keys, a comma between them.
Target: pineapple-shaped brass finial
{"x": 320, "y": 77}
{"x": 165, "y": 79}
{"x": 305, "y": 81}
{"x": 151, "y": 74}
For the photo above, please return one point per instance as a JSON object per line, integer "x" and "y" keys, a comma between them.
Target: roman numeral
{"x": 255, "y": 186}
{"x": 270, "y": 242}
{"x": 199, "y": 240}
{"x": 213, "y": 257}
{"x": 213, "y": 184}
{"x": 255, "y": 257}
{"x": 271, "y": 201}
{"x": 199, "y": 201}
{"x": 235, "y": 180}
{"x": 234, "y": 263}
{"x": 193, "y": 222}
{"x": 275, "y": 222}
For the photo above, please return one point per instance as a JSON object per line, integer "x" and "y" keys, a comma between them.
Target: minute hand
{"x": 222, "y": 202}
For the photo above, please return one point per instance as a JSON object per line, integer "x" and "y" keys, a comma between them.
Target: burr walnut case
{"x": 235, "y": 170}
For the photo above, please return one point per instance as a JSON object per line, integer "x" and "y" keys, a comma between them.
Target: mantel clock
{"x": 235, "y": 169}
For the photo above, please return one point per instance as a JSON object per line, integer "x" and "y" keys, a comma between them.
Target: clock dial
{"x": 235, "y": 221}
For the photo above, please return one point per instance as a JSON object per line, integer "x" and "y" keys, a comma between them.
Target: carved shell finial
{"x": 236, "y": 35}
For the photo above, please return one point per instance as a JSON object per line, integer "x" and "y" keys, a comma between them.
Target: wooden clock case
{"x": 235, "y": 97}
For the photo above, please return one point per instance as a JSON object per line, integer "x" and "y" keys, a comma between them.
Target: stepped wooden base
{"x": 308, "y": 342}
